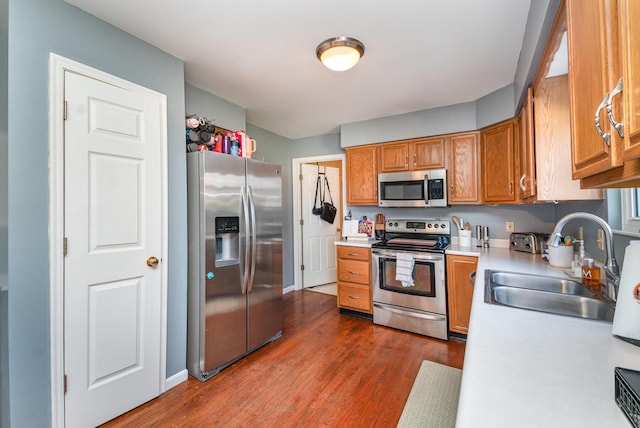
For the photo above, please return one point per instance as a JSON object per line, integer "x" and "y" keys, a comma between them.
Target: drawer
{"x": 354, "y": 296}
{"x": 354, "y": 271}
{"x": 353, "y": 253}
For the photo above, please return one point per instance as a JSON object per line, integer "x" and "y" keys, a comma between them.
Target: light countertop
{"x": 357, "y": 243}
{"x": 530, "y": 369}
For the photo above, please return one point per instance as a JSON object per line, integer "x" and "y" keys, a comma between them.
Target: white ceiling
{"x": 258, "y": 54}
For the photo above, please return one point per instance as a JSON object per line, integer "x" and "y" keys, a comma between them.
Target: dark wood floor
{"x": 327, "y": 370}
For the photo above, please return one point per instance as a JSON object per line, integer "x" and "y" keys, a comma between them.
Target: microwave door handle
{"x": 426, "y": 189}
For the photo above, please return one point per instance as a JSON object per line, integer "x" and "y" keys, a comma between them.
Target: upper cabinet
{"x": 463, "y": 168}
{"x": 629, "y": 18}
{"x": 594, "y": 70}
{"x": 546, "y": 119}
{"x": 527, "y": 155}
{"x": 604, "y": 86}
{"x": 498, "y": 148}
{"x": 415, "y": 154}
{"x": 362, "y": 175}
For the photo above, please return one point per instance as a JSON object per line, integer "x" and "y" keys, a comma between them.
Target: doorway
{"x": 108, "y": 244}
{"x": 304, "y": 276}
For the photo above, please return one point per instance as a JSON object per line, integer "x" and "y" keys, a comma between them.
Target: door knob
{"x": 152, "y": 262}
{"x": 338, "y": 229}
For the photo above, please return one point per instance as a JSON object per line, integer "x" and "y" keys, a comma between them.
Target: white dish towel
{"x": 404, "y": 269}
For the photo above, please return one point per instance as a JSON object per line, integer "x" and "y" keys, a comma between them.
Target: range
{"x": 408, "y": 272}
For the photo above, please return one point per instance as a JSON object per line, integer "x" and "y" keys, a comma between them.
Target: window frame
{"x": 630, "y": 210}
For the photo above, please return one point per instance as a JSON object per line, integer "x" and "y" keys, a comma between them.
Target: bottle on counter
{"x": 590, "y": 274}
{"x": 578, "y": 260}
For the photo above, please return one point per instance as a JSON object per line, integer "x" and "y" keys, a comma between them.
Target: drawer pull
{"x": 354, "y": 297}
{"x": 353, "y": 273}
{"x": 618, "y": 126}
{"x": 604, "y": 135}
{"x": 353, "y": 254}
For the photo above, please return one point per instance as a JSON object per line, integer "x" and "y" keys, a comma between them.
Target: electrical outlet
{"x": 600, "y": 239}
{"x": 510, "y": 227}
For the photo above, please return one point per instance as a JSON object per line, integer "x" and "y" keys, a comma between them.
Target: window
{"x": 630, "y": 215}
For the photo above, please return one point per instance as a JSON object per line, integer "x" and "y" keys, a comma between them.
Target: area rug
{"x": 433, "y": 400}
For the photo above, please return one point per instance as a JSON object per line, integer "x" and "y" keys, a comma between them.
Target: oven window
{"x": 402, "y": 190}
{"x": 423, "y": 277}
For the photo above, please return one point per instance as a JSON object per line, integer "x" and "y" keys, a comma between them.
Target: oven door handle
{"x": 421, "y": 315}
{"x": 417, "y": 256}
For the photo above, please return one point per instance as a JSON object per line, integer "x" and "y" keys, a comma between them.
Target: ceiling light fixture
{"x": 340, "y": 53}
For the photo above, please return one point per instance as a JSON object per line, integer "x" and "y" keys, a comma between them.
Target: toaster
{"x": 528, "y": 242}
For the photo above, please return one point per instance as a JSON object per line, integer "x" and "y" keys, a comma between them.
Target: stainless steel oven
{"x": 408, "y": 277}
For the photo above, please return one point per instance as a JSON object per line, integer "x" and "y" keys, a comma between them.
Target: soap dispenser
{"x": 626, "y": 319}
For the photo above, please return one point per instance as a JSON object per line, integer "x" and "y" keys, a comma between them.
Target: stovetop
{"x": 431, "y": 235}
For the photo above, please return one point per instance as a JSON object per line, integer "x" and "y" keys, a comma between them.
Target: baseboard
{"x": 288, "y": 289}
{"x": 176, "y": 379}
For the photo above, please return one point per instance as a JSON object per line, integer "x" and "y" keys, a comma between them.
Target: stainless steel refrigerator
{"x": 235, "y": 259}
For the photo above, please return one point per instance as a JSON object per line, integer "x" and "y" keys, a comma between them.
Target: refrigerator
{"x": 234, "y": 303}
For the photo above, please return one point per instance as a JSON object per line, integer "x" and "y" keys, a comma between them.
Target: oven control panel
{"x": 425, "y": 226}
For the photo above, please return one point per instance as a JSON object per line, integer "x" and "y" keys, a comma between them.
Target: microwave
{"x": 427, "y": 188}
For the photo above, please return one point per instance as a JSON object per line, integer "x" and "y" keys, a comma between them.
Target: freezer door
{"x": 225, "y": 324}
{"x": 264, "y": 185}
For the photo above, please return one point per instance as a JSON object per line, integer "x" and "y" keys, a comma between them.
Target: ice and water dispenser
{"x": 227, "y": 241}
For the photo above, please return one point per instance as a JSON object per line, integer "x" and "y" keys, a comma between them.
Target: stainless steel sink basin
{"x": 546, "y": 294}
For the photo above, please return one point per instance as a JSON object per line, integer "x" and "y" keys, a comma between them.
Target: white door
{"x": 319, "y": 236}
{"x": 113, "y": 226}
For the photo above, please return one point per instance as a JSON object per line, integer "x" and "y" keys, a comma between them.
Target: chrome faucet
{"x": 611, "y": 269}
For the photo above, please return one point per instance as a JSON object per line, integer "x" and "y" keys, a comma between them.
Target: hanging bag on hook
{"x": 328, "y": 212}
{"x": 317, "y": 201}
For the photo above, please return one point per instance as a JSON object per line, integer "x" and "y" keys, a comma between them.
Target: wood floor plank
{"x": 327, "y": 370}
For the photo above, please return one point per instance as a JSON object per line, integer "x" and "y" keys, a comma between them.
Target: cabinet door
{"x": 463, "y": 169}
{"x": 460, "y": 291}
{"x": 593, "y": 72}
{"x": 498, "y": 162}
{"x": 629, "y": 17}
{"x": 362, "y": 176}
{"x": 427, "y": 153}
{"x": 527, "y": 155}
{"x": 394, "y": 157}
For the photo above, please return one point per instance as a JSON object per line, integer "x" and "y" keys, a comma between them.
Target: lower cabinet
{"x": 460, "y": 291}
{"x": 354, "y": 278}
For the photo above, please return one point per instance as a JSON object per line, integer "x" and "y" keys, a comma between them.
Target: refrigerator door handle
{"x": 245, "y": 207}
{"x": 254, "y": 243}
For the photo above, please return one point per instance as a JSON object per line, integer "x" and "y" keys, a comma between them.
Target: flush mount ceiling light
{"x": 340, "y": 53}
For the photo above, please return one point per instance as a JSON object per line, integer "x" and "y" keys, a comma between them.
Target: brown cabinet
{"x": 362, "y": 175}
{"x": 410, "y": 155}
{"x": 545, "y": 130}
{"x": 604, "y": 67}
{"x": 629, "y": 17}
{"x": 594, "y": 70}
{"x": 498, "y": 162}
{"x": 526, "y": 152}
{"x": 463, "y": 168}
{"x": 460, "y": 291}
{"x": 354, "y": 278}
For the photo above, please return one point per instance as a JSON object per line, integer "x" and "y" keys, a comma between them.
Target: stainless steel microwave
{"x": 427, "y": 188}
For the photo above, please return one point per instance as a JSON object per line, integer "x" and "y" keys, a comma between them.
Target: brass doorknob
{"x": 152, "y": 262}
{"x": 338, "y": 229}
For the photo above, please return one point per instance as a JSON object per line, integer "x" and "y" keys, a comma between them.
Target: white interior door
{"x": 319, "y": 236}
{"x": 113, "y": 227}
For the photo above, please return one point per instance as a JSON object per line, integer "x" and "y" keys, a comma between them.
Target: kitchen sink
{"x": 546, "y": 294}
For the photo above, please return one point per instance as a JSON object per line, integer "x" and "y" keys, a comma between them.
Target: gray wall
{"x": 36, "y": 28}
{"x": 495, "y": 107}
{"x": 204, "y": 104}
{"x": 539, "y": 23}
{"x": 4, "y": 308}
{"x": 319, "y": 145}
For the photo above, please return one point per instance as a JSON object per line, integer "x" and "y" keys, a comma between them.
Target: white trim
{"x": 630, "y": 224}
{"x": 58, "y": 65}
{"x": 297, "y": 189}
{"x": 176, "y": 379}
{"x": 289, "y": 289}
